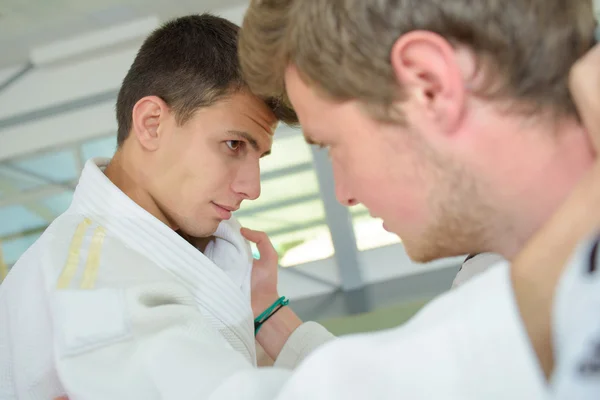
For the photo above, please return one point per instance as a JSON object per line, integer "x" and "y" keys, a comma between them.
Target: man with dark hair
{"x": 186, "y": 81}
{"x": 141, "y": 289}
{"x": 206, "y": 72}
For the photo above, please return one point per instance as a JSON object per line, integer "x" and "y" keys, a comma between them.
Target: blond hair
{"x": 343, "y": 46}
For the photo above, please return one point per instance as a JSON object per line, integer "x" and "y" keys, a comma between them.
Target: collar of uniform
{"x": 576, "y": 331}
{"x": 97, "y": 197}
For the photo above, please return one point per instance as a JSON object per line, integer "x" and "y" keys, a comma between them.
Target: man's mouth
{"x": 224, "y": 211}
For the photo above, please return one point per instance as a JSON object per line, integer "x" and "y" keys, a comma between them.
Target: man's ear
{"x": 429, "y": 73}
{"x": 148, "y": 114}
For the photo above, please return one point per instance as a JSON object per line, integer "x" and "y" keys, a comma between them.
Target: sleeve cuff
{"x": 301, "y": 343}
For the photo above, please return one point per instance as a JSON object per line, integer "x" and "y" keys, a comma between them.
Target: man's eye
{"x": 234, "y": 145}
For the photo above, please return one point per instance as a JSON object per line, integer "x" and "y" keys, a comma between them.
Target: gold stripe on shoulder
{"x": 93, "y": 260}
{"x": 73, "y": 258}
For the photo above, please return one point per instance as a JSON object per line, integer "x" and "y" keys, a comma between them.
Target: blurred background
{"x": 61, "y": 64}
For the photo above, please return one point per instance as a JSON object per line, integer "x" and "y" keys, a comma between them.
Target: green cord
{"x": 262, "y": 318}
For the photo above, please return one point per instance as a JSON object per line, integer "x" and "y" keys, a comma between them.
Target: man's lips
{"x": 228, "y": 208}
{"x": 224, "y": 211}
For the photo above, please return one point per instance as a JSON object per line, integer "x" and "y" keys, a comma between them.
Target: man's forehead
{"x": 295, "y": 86}
{"x": 266, "y": 121}
{"x": 255, "y": 110}
{"x": 273, "y": 127}
{"x": 310, "y": 104}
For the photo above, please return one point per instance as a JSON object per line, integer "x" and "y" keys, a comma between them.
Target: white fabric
{"x": 220, "y": 299}
{"x": 577, "y": 328}
{"x": 302, "y": 342}
{"x": 232, "y": 254}
{"x": 467, "y": 344}
{"x": 152, "y": 291}
{"x": 475, "y": 266}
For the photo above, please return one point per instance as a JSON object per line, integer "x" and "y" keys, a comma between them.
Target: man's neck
{"x": 124, "y": 176}
{"x": 201, "y": 243}
{"x": 553, "y": 164}
{"x": 122, "y": 173}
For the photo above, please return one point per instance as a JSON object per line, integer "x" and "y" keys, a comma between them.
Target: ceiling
{"x": 25, "y": 24}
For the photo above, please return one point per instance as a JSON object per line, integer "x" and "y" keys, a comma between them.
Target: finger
{"x": 254, "y": 236}
{"x": 250, "y": 234}
{"x": 263, "y": 243}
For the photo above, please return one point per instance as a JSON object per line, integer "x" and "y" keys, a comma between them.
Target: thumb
{"x": 265, "y": 248}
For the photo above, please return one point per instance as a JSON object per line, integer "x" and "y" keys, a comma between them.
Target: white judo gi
{"x": 474, "y": 265}
{"x": 577, "y": 328}
{"x": 111, "y": 304}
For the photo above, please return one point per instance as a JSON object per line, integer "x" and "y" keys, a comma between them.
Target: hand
{"x": 276, "y": 331}
{"x": 264, "y": 272}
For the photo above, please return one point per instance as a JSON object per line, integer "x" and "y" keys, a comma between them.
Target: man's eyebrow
{"x": 248, "y": 137}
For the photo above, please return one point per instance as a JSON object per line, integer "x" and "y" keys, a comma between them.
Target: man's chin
{"x": 417, "y": 252}
{"x": 422, "y": 252}
{"x": 202, "y": 229}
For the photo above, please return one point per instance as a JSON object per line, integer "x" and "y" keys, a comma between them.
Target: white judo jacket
{"x": 474, "y": 265}
{"x": 110, "y": 304}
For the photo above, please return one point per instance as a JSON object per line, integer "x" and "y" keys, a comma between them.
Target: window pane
{"x": 278, "y": 218}
{"x": 290, "y": 209}
{"x": 369, "y": 231}
{"x": 287, "y": 151}
{"x": 285, "y": 188}
{"x": 13, "y": 180}
{"x": 58, "y": 203}
{"x": 101, "y": 147}
{"x": 303, "y": 246}
{"x": 13, "y": 248}
{"x": 298, "y": 246}
{"x": 291, "y": 212}
{"x": 16, "y": 219}
{"x": 58, "y": 166}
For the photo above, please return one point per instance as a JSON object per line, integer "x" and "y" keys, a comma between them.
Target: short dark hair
{"x": 189, "y": 62}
